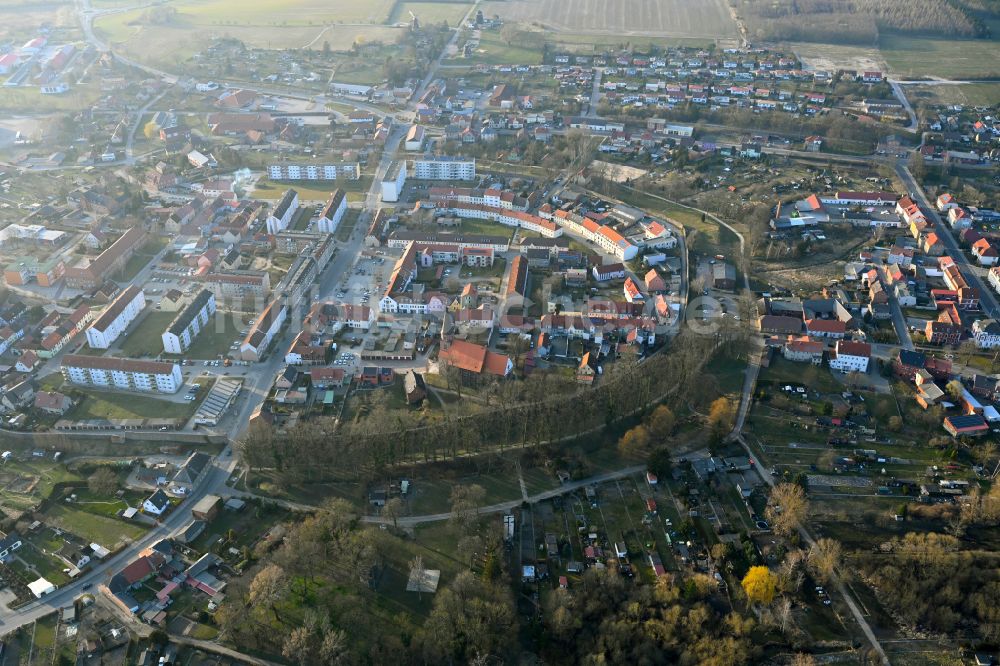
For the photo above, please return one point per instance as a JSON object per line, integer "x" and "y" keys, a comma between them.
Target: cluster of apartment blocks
{"x": 425, "y": 168}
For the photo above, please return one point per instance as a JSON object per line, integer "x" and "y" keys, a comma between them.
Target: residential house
{"x": 53, "y": 402}
{"x": 586, "y": 372}
{"x": 826, "y": 328}
{"x": 943, "y": 333}
{"x": 157, "y": 503}
{"x": 986, "y": 333}
{"x": 849, "y": 356}
{"x": 803, "y": 350}
{"x": 985, "y": 252}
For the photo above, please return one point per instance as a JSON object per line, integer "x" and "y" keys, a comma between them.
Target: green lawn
{"x": 815, "y": 377}
{"x": 106, "y": 531}
{"x": 484, "y": 227}
{"x": 215, "y": 340}
{"x": 313, "y": 190}
{"x": 347, "y": 224}
{"x": 949, "y": 58}
{"x": 494, "y": 51}
{"x": 145, "y": 340}
{"x": 47, "y": 566}
{"x": 109, "y": 405}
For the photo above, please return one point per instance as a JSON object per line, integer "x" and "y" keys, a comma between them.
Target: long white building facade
{"x": 116, "y": 318}
{"x": 122, "y": 374}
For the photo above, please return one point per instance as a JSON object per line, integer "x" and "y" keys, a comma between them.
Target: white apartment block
{"x": 348, "y": 170}
{"x": 189, "y": 322}
{"x": 283, "y": 212}
{"x": 445, "y": 168}
{"x": 262, "y": 333}
{"x": 116, "y": 318}
{"x": 394, "y": 182}
{"x": 122, "y": 374}
{"x": 333, "y": 212}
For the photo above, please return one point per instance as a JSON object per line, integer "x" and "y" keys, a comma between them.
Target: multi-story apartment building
{"x": 188, "y": 323}
{"x": 445, "y": 168}
{"x": 123, "y": 374}
{"x": 116, "y": 318}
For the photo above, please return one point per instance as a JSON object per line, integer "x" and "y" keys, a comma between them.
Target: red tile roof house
{"x": 985, "y": 252}
{"x": 804, "y": 350}
{"x": 472, "y": 359}
{"x": 654, "y": 283}
{"x": 52, "y": 402}
{"x": 942, "y": 333}
{"x": 826, "y": 328}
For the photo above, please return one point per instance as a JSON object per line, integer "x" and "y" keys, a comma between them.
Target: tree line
{"x": 521, "y": 414}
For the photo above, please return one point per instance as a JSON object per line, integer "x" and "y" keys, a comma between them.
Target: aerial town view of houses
{"x": 419, "y": 332}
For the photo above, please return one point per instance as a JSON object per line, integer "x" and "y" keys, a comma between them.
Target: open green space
{"x": 484, "y": 227}
{"x": 347, "y": 224}
{"x": 170, "y": 40}
{"x": 145, "y": 340}
{"x": 313, "y": 190}
{"x": 95, "y": 528}
{"x": 216, "y": 339}
{"x": 948, "y": 58}
{"x": 815, "y": 377}
{"x": 493, "y": 50}
{"x": 46, "y": 566}
{"x": 704, "y": 234}
{"x": 95, "y": 404}
{"x": 240, "y": 529}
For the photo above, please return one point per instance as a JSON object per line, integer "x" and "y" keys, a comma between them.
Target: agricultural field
{"x": 429, "y": 12}
{"x": 944, "y": 58}
{"x": 172, "y": 42}
{"x": 975, "y": 94}
{"x": 625, "y": 18}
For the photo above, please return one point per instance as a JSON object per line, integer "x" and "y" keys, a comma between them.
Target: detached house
{"x": 803, "y": 350}
{"x": 156, "y": 504}
{"x": 985, "y": 252}
{"x": 850, "y": 356}
{"x": 986, "y": 333}
{"x": 826, "y": 328}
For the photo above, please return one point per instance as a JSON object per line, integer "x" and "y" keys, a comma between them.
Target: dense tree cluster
{"x": 605, "y": 620}
{"x": 857, "y": 21}
{"x": 930, "y": 582}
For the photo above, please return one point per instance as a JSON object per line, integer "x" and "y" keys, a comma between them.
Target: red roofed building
{"x": 474, "y": 360}
{"x": 850, "y": 356}
{"x": 985, "y": 252}
{"x": 826, "y": 328}
{"x": 803, "y": 350}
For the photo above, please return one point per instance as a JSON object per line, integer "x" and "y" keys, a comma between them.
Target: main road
{"x": 988, "y": 300}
